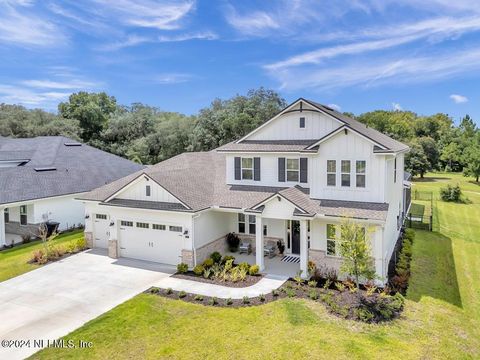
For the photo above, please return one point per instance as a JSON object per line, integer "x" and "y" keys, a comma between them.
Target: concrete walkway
{"x": 54, "y": 300}
{"x": 264, "y": 286}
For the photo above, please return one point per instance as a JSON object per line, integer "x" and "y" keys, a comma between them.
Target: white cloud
{"x": 396, "y": 106}
{"x": 130, "y": 40}
{"x": 207, "y": 35}
{"x": 335, "y": 107}
{"x": 252, "y": 23}
{"x": 458, "y": 99}
{"x": 69, "y": 84}
{"x": 172, "y": 78}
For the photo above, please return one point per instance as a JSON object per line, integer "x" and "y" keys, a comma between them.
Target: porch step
{"x": 291, "y": 259}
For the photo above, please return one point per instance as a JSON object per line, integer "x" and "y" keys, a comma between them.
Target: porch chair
{"x": 269, "y": 250}
{"x": 245, "y": 248}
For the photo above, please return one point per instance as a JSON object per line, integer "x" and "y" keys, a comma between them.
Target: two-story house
{"x": 292, "y": 179}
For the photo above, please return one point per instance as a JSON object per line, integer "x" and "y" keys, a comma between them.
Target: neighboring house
{"x": 292, "y": 179}
{"x": 40, "y": 177}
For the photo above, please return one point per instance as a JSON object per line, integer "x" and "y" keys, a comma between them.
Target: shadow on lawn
{"x": 431, "y": 179}
{"x": 433, "y": 269}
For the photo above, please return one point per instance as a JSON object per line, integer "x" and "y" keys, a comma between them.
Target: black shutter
{"x": 281, "y": 169}
{"x": 303, "y": 170}
{"x": 256, "y": 169}
{"x": 238, "y": 168}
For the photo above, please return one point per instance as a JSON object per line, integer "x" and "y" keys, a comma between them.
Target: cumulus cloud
{"x": 458, "y": 99}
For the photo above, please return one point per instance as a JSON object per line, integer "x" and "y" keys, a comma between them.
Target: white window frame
{"x": 101, "y": 216}
{"x": 148, "y": 190}
{"x": 342, "y": 173}
{"x": 364, "y": 174}
{"x": 304, "y": 123}
{"x": 287, "y": 170}
{"x": 6, "y": 215}
{"x": 334, "y": 173}
{"x": 160, "y": 227}
{"x": 244, "y": 222}
{"x": 333, "y": 239}
{"x": 252, "y": 222}
{"x": 242, "y": 168}
{"x": 23, "y": 214}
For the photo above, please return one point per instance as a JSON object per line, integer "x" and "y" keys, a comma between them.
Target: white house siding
{"x": 211, "y": 225}
{"x": 287, "y": 126}
{"x": 65, "y": 210}
{"x": 351, "y": 147}
{"x": 137, "y": 191}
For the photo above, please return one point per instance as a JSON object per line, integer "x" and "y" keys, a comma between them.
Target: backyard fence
{"x": 420, "y": 215}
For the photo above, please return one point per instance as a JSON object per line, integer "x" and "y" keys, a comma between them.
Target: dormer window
{"x": 302, "y": 123}
{"x": 147, "y": 190}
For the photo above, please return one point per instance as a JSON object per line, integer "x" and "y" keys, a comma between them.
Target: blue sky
{"x": 358, "y": 55}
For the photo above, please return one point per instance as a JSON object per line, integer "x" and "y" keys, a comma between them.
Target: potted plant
{"x": 233, "y": 241}
{"x": 281, "y": 247}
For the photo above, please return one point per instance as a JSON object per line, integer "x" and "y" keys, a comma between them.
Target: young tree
{"x": 356, "y": 251}
{"x": 472, "y": 161}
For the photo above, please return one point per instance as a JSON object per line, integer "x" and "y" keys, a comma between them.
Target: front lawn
{"x": 441, "y": 319}
{"x": 14, "y": 261}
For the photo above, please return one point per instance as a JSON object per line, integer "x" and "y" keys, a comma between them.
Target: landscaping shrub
{"x": 207, "y": 272}
{"x": 275, "y": 293}
{"x": 290, "y": 292}
{"x": 312, "y": 284}
{"x": 261, "y": 297}
{"x": 281, "y": 247}
{"x": 254, "y": 270}
{"x": 246, "y": 300}
{"x": 244, "y": 266}
{"x": 168, "y": 291}
{"x": 207, "y": 263}
{"x": 451, "y": 193}
{"x": 182, "y": 268}
{"x": 39, "y": 257}
{"x": 213, "y": 301}
{"x": 198, "y": 298}
{"x": 154, "y": 290}
{"x": 340, "y": 286}
{"x": 233, "y": 242}
{"x": 228, "y": 257}
{"x": 399, "y": 282}
{"x": 198, "y": 270}
{"x": 182, "y": 294}
{"x": 229, "y": 301}
{"x": 313, "y": 294}
{"x": 216, "y": 257}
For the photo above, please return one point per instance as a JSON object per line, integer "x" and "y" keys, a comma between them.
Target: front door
{"x": 296, "y": 237}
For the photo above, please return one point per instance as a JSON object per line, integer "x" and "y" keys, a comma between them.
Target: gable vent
{"x": 72, "y": 144}
{"x": 42, "y": 169}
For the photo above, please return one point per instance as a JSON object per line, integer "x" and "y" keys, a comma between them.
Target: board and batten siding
{"x": 65, "y": 210}
{"x": 287, "y": 126}
{"x": 137, "y": 191}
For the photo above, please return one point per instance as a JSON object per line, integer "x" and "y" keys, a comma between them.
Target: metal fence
{"x": 421, "y": 211}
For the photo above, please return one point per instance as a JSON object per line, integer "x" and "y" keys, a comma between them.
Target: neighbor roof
{"x": 269, "y": 146}
{"x": 75, "y": 169}
{"x": 198, "y": 181}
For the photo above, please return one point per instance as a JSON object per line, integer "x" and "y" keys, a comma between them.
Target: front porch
{"x": 273, "y": 266}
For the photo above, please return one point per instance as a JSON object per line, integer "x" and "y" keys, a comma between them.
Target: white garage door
{"x": 153, "y": 242}
{"x": 101, "y": 230}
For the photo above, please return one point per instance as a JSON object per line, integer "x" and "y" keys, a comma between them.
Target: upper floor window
{"x": 395, "y": 170}
{"x": 331, "y": 172}
{"x": 293, "y": 169}
{"x": 247, "y": 168}
{"x": 245, "y": 227}
{"x": 6, "y": 215}
{"x": 345, "y": 172}
{"x": 360, "y": 170}
{"x": 302, "y": 123}
{"x": 147, "y": 190}
{"x": 23, "y": 215}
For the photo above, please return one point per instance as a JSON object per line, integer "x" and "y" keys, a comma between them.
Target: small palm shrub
{"x": 208, "y": 262}
{"x": 168, "y": 291}
{"x": 261, "y": 297}
{"x": 254, "y": 270}
{"x": 182, "y": 294}
{"x": 216, "y": 257}
{"x": 198, "y": 298}
{"x": 213, "y": 301}
{"x": 313, "y": 294}
{"x": 312, "y": 284}
{"x": 246, "y": 300}
{"x": 228, "y": 301}
{"x": 182, "y": 268}
{"x": 227, "y": 257}
{"x": 198, "y": 270}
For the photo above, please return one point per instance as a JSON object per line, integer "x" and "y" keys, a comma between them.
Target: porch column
{"x": 259, "y": 242}
{"x": 303, "y": 248}
{"x": 2, "y": 227}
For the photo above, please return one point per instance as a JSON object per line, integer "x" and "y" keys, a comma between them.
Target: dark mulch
{"x": 249, "y": 280}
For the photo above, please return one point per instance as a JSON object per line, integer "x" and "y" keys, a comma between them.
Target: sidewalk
{"x": 264, "y": 286}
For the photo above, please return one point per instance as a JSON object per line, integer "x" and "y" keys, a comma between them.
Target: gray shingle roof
{"x": 198, "y": 180}
{"x": 268, "y": 145}
{"x": 78, "y": 168}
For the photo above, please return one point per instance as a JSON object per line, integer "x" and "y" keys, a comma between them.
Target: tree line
{"x": 147, "y": 135}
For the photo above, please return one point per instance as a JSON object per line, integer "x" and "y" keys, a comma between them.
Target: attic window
{"x": 72, "y": 144}
{"x": 42, "y": 169}
{"x": 302, "y": 123}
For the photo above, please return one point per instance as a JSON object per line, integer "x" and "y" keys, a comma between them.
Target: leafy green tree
{"x": 416, "y": 162}
{"x": 91, "y": 110}
{"x": 356, "y": 252}
{"x": 451, "y": 154}
{"x": 434, "y": 126}
{"x": 472, "y": 161}
{"x": 430, "y": 149}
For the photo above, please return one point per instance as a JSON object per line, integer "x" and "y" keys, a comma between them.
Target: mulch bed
{"x": 249, "y": 280}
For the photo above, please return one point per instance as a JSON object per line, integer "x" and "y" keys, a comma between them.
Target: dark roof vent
{"x": 72, "y": 144}
{"x": 42, "y": 169}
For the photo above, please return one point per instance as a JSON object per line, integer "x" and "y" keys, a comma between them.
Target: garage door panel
{"x": 150, "y": 244}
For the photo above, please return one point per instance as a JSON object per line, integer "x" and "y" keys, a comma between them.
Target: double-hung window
{"x": 245, "y": 227}
{"x": 293, "y": 170}
{"x": 345, "y": 173}
{"x": 148, "y": 190}
{"x": 331, "y": 172}
{"x": 23, "y": 215}
{"x": 302, "y": 123}
{"x": 331, "y": 240}
{"x": 360, "y": 172}
{"x": 6, "y": 215}
{"x": 247, "y": 168}
{"x": 241, "y": 223}
{"x": 252, "y": 224}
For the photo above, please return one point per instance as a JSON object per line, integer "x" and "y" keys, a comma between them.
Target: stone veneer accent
{"x": 89, "y": 238}
{"x": 113, "y": 249}
{"x": 187, "y": 257}
{"x": 204, "y": 251}
{"x": 14, "y": 227}
{"x": 320, "y": 258}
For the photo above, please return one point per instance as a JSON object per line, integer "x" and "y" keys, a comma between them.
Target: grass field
{"x": 14, "y": 261}
{"x": 441, "y": 319}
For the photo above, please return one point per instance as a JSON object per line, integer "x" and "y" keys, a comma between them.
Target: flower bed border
{"x": 190, "y": 275}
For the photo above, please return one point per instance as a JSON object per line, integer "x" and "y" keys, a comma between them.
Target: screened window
{"x": 126, "y": 223}
{"x": 101, "y": 216}
{"x": 331, "y": 240}
{"x": 360, "y": 170}
{"x": 331, "y": 173}
{"x": 252, "y": 227}
{"x": 241, "y": 223}
{"x": 302, "y": 123}
{"x": 158, "y": 227}
{"x": 23, "y": 215}
{"x": 293, "y": 169}
{"x": 6, "y": 215}
{"x": 247, "y": 168}
{"x": 147, "y": 190}
{"x": 345, "y": 172}
{"x": 175, "y": 228}
{"x": 143, "y": 225}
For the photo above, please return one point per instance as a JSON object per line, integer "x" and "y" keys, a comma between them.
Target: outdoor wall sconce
{"x": 279, "y": 198}
{"x": 87, "y": 216}
{"x": 112, "y": 223}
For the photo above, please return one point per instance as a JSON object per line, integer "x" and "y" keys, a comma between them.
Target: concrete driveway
{"x": 56, "y": 299}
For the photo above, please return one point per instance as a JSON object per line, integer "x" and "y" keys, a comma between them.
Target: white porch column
{"x": 303, "y": 248}
{"x": 259, "y": 242}
{"x": 2, "y": 227}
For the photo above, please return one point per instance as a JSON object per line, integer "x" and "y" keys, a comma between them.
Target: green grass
{"x": 441, "y": 319}
{"x": 14, "y": 261}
